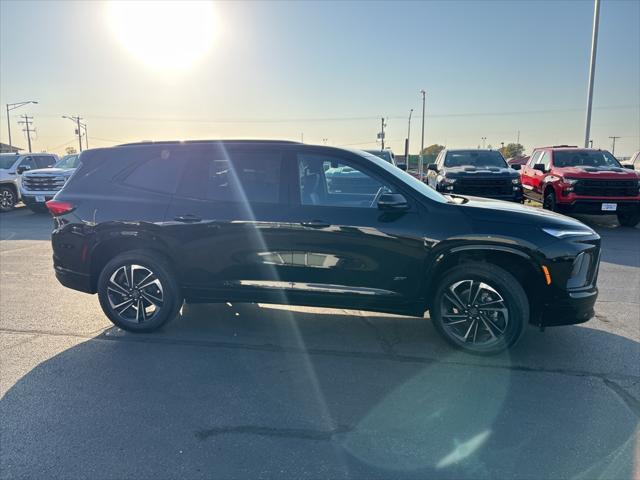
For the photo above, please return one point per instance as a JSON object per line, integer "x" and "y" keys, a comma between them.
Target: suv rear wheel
{"x": 629, "y": 219}
{"x": 138, "y": 292}
{"x": 480, "y": 308}
{"x": 8, "y": 198}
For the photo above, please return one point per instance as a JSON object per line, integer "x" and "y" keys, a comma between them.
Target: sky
{"x": 321, "y": 72}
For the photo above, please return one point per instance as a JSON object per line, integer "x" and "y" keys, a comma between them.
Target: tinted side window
{"x": 44, "y": 161}
{"x": 534, "y": 158}
{"x": 240, "y": 176}
{"x": 329, "y": 181}
{"x": 160, "y": 173}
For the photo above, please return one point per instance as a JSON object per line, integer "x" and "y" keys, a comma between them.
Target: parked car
{"x": 634, "y": 162}
{"x": 482, "y": 173}
{"x": 582, "y": 180}
{"x": 146, "y": 226}
{"x": 39, "y": 186}
{"x": 518, "y": 160}
{"x": 386, "y": 155}
{"x": 12, "y": 166}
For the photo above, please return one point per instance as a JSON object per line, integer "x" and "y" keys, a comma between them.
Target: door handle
{"x": 188, "y": 218}
{"x": 315, "y": 224}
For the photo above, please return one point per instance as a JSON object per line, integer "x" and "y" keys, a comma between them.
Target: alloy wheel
{"x": 7, "y": 199}
{"x": 474, "y": 313}
{"x": 135, "y": 293}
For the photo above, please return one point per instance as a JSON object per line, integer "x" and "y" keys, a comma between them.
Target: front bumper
{"x": 31, "y": 197}
{"x": 594, "y": 207}
{"x": 575, "y": 307}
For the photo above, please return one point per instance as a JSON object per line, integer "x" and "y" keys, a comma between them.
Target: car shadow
{"x": 23, "y": 224}
{"x": 237, "y": 391}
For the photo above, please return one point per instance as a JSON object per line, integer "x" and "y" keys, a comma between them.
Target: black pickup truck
{"x": 481, "y": 173}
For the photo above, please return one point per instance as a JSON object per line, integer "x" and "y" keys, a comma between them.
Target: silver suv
{"x": 40, "y": 186}
{"x": 12, "y": 166}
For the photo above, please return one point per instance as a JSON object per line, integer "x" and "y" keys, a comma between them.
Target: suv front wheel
{"x": 138, "y": 292}
{"x": 480, "y": 308}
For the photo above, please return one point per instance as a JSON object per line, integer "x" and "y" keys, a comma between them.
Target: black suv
{"x": 148, "y": 226}
{"x": 483, "y": 173}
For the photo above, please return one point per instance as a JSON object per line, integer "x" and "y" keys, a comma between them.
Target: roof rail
{"x": 178, "y": 142}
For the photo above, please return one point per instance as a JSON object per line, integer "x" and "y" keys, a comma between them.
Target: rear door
{"x": 228, "y": 221}
{"x": 345, "y": 251}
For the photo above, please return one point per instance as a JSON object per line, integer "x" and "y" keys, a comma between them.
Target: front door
{"x": 345, "y": 251}
{"x": 228, "y": 219}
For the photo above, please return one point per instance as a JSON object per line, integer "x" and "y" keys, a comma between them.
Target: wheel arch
{"x": 106, "y": 250}
{"x": 518, "y": 263}
{"x": 13, "y": 187}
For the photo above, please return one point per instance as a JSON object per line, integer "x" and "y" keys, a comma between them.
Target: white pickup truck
{"x": 40, "y": 186}
{"x": 12, "y": 166}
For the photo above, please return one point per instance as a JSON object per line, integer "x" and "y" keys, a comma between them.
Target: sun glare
{"x": 165, "y": 35}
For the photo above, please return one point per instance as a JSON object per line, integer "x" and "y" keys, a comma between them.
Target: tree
{"x": 70, "y": 150}
{"x": 512, "y": 150}
{"x": 431, "y": 152}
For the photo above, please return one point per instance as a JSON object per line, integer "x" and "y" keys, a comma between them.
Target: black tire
{"x": 8, "y": 198}
{"x": 505, "y": 286}
{"x": 629, "y": 219}
{"x": 549, "y": 202}
{"x": 166, "y": 289}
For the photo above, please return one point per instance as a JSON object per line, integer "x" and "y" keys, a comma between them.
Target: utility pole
{"x": 518, "y": 140}
{"x": 613, "y": 146}
{"x": 13, "y": 106}
{"x": 27, "y": 128}
{"x": 406, "y": 146}
{"x": 86, "y": 135}
{"x": 590, "y": 143}
{"x": 420, "y": 160}
{"x": 592, "y": 70}
{"x": 76, "y": 120}
{"x": 382, "y": 134}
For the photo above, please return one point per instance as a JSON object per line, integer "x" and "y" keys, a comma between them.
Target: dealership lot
{"x": 261, "y": 390}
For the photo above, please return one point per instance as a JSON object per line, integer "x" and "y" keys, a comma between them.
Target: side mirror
{"x": 540, "y": 167}
{"x": 516, "y": 166}
{"x": 22, "y": 168}
{"x": 433, "y": 167}
{"x": 402, "y": 166}
{"x": 393, "y": 202}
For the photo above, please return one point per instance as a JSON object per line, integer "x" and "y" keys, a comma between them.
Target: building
{"x": 4, "y": 148}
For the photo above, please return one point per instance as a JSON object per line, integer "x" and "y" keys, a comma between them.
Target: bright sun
{"x": 163, "y": 34}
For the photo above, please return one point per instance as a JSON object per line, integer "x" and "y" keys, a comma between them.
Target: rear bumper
{"x": 75, "y": 280}
{"x": 575, "y": 307}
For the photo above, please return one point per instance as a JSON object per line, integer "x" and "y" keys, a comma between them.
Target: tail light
{"x": 57, "y": 208}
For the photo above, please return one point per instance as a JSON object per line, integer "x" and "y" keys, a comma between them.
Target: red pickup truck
{"x": 582, "y": 180}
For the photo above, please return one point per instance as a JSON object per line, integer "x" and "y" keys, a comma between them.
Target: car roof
{"x": 190, "y": 142}
{"x": 470, "y": 150}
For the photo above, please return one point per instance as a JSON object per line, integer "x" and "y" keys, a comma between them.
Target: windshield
{"x": 404, "y": 177}
{"x": 474, "y": 158}
{"x": 584, "y": 158}
{"x": 67, "y": 162}
{"x": 7, "y": 160}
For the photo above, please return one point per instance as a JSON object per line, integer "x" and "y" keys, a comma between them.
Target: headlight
{"x": 568, "y": 232}
{"x": 515, "y": 181}
{"x": 570, "y": 181}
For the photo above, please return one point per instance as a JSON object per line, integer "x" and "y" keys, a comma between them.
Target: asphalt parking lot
{"x": 264, "y": 391}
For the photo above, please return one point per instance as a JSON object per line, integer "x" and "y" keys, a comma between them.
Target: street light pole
{"x": 592, "y": 70}
{"x": 406, "y": 148}
{"x": 13, "y": 106}
{"x": 382, "y": 135}
{"x": 420, "y": 160}
{"x": 76, "y": 120}
{"x": 613, "y": 146}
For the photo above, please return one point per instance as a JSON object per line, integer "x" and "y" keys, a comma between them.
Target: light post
{"x": 13, "y": 106}
{"x": 420, "y": 160}
{"x": 76, "y": 120}
{"x": 592, "y": 70}
{"x": 483, "y": 141}
{"x": 406, "y": 148}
